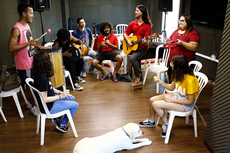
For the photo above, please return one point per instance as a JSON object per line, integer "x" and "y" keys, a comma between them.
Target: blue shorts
{"x": 186, "y": 107}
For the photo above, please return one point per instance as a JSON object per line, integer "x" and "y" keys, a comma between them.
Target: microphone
{"x": 47, "y": 31}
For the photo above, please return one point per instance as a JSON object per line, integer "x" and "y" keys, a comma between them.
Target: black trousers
{"x": 73, "y": 67}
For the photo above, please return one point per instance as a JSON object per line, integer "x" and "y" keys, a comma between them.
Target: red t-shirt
{"x": 112, "y": 38}
{"x": 143, "y": 30}
{"x": 179, "y": 49}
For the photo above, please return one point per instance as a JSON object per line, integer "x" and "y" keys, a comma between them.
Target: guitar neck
{"x": 139, "y": 41}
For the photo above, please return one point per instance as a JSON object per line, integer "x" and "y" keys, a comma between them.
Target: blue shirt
{"x": 85, "y": 36}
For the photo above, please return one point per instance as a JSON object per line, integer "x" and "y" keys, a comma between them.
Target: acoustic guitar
{"x": 82, "y": 53}
{"x": 135, "y": 41}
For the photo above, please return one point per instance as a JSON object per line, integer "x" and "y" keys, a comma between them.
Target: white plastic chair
{"x": 47, "y": 114}
{"x": 66, "y": 72}
{"x": 197, "y": 65}
{"x": 158, "y": 68}
{"x": 203, "y": 80}
{"x": 3, "y": 116}
{"x": 120, "y": 28}
{"x": 14, "y": 93}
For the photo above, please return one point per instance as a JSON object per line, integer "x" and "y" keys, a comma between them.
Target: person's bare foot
{"x": 137, "y": 80}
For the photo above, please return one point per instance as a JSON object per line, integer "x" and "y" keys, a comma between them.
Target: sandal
{"x": 103, "y": 78}
{"x": 114, "y": 79}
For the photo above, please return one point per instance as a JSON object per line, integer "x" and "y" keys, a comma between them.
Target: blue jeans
{"x": 85, "y": 62}
{"x": 64, "y": 104}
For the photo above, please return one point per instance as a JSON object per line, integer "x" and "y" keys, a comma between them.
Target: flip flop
{"x": 103, "y": 78}
{"x": 114, "y": 79}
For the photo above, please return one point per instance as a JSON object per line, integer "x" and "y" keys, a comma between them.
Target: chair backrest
{"x": 120, "y": 28}
{"x": 164, "y": 60}
{"x": 49, "y": 44}
{"x": 203, "y": 80}
{"x": 30, "y": 81}
{"x": 197, "y": 65}
{"x": 70, "y": 31}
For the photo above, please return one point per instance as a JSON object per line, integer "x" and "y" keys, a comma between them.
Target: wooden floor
{"x": 103, "y": 107}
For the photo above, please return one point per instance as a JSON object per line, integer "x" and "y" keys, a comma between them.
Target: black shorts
{"x": 107, "y": 55}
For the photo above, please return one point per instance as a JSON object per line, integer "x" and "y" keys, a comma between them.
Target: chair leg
{"x": 125, "y": 64}
{"x": 195, "y": 122}
{"x": 146, "y": 73}
{"x": 112, "y": 66}
{"x": 43, "y": 122}
{"x": 169, "y": 128}
{"x": 187, "y": 120}
{"x": 72, "y": 124}
{"x": 157, "y": 85}
{"x": 3, "y": 116}
{"x": 15, "y": 96}
{"x": 38, "y": 123}
{"x": 71, "y": 82}
{"x": 200, "y": 116}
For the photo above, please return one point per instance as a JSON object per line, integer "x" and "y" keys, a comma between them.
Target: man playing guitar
{"x": 74, "y": 67}
{"x": 140, "y": 27}
{"x": 85, "y": 35}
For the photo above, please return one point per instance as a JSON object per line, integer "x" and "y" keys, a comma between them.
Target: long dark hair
{"x": 189, "y": 22}
{"x": 42, "y": 65}
{"x": 181, "y": 68}
{"x": 102, "y": 27}
{"x": 145, "y": 14}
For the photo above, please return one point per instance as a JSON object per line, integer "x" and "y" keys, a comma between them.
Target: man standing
{"x": 140, "y": 27}
{"x": 85, "y": 35}
{"x": 21, "y": 43}
{"x": 107, "y": 45}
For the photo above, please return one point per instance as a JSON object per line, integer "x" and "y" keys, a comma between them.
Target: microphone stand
{"x": 163, "y": 33}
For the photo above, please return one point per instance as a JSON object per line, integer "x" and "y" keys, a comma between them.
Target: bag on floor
{"x": 9, "y": 78}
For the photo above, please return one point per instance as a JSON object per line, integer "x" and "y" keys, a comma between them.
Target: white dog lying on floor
{"x": 119, "y": 139}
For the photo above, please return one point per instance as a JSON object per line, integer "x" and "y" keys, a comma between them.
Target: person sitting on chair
{"x": 188, "y": 40}
{"x": 139, "y": 27}
{"x": 181, "y": 99}
{"x": 85, "y": 35}
{"x": 63, "y": 40}
{"x": 56, "y": 100}
{"x": 107, "y": 45}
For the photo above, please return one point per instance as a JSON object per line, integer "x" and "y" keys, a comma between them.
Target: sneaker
{"x": 62, "y": 128}
{"x": 29, "y": 105}
{"x": 83, "y": 74}
{"x": 146, "y": 123}
{"x": 56, "y": 121}
{"x": 78, "y": 87}
{"x": 80, "y": 80}
{"x": 34, "y": 110}
{"x": 164, "y": 128}
{"x": 93, "y": 72}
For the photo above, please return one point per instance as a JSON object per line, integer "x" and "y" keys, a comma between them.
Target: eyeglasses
{"x": 181, "y": 21}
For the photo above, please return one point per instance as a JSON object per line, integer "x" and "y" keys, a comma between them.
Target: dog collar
{"x": 125, "y": 132}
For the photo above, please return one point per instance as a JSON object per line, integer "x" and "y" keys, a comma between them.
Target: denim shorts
{"x": 186, "y": 107}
